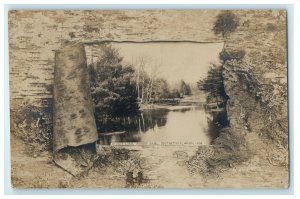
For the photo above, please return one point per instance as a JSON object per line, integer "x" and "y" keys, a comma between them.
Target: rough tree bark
{"x": 74, "y": 123}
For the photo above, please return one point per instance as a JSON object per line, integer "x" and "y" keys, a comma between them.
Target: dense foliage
{"x": 33, "y": 125}
{"x": 213, "y": 85}
{"x": 113, "y": 86}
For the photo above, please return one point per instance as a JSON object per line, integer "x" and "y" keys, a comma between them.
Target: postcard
{"x": 148, "y": 98}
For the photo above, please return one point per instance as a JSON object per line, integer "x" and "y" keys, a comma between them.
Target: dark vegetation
{"x": 113, "y": 87}
{"x": 226, "y": 23}
{"x": 230, "y": 55}
{"x": 123, "y": 162}
{"x": 33, "y": 125}
{"x": 229, "y": 149}
{"x": 213, "y": 85}
{"x": 217, "y": 123}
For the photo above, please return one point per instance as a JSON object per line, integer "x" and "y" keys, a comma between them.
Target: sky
{"x": 174, "y": 61}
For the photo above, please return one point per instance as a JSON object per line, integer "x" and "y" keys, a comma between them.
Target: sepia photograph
{"x": 148, "y": 99}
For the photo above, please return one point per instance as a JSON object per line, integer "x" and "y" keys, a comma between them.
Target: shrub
{"x": 226, "y": 22}
{"x": 33, "y": 125}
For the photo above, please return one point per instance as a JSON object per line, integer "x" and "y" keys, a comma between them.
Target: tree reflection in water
{"x": 159, "y": 125}
{"x": 216, "y": 122}
{"x": 133, "y": 126}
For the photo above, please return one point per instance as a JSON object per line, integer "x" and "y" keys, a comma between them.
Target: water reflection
{"x": 217, "y": 121}
{"x": 182, "y": 124}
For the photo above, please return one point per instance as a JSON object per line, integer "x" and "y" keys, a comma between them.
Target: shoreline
{"x": 166, "y": 107}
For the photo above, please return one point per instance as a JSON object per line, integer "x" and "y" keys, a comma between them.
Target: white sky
{"x": 181, "y": 60}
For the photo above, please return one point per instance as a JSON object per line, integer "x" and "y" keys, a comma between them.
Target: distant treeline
{"x": 151, "y": 88}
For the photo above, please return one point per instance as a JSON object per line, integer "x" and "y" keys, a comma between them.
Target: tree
{"x": 185, "y": 88}
{"x": 226, "y": 22}
{"x": 174, "y": 93}
{"x": 213, "y": 85}
{"x": 113, "y": 87}
{"x": 161, "y": 89}
{"x": 143, "y": 80}
{"x": 146, "y": 81}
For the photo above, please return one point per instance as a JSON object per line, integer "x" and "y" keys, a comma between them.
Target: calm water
{"x": 184, "y": 124}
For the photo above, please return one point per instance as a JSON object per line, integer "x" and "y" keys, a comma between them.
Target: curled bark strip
{"x": 74, "y": 133}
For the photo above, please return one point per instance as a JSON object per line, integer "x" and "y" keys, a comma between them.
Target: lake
{"x": 171, "y": 124}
